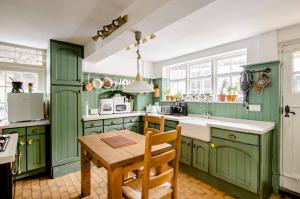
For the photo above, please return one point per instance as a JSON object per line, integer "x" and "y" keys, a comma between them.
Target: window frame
{"x": 214, "y": 76}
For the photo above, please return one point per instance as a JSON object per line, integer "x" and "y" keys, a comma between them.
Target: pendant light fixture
{"x": 138, "y": 86}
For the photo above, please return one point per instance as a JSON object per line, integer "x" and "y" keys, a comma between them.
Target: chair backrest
{"x": 169, "y": 173}
{"x": 154, "y": 120}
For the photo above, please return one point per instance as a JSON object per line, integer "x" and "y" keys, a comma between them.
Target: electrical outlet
{"x": 254, "y": 107}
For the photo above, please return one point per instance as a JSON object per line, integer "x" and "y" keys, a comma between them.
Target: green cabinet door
{"x": 200, "y": 155}
{"x": 65, "y": 124}
{"x": 186, "y": 150}
{"x": 90, "y": 131}
{"x": 66, "y": 63}
{"x": 36, "y": 152}
{"x": 20, "y": 163}
{"x": 116, "y": 127}
{"x": 236, "y": 163}
{"x": 135, "y": 127}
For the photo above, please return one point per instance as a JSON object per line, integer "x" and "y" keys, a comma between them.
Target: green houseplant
{"x": 167, "y": 94}
{"x": 232, "y": 92}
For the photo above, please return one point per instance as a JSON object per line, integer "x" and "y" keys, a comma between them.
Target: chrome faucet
{"x": 206, "y": 98}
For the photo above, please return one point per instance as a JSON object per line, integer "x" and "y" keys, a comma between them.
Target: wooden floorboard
{"x": 68, "y": 186}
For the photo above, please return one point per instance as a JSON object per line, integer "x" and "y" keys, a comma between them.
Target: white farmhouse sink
{"x": 196, "y": 128}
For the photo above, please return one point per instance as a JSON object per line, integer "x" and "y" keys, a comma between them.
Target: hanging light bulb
{"x": 138, "y": 86}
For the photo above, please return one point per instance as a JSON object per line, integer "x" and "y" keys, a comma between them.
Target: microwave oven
{"x": 122, "y": 107}
{"x": 106, "y": 107}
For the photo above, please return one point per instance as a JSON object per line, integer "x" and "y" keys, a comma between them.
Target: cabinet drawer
{"x": 92, "y": 124}
{"x": 20, "y": 131}
{"x": 113, "y": 121}
{"x": 235, "y": 136}
{"x": 89, "y": 131}
{"x": 117, "y": 127}
{"x": 131, "y": 119}
{"x": 171, "y": 124}
{"x": 36, "y": 130}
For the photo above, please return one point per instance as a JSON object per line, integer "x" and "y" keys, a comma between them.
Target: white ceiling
{"x": 34, "y": 22}
{"x": 220, "y": 22}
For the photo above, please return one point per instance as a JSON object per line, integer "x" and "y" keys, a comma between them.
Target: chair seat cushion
{"x": 133, "y": 190}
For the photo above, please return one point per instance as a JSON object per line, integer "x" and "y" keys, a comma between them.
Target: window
{"x": 21, "y": 55}
{"x": 177, "y": 80}
{"x": 296, "y": 72}
{"x": 207, "y": 75}
{"x": 19, "y": 63}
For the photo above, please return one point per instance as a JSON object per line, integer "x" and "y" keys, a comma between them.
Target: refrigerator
{"x": 25, "y": 106}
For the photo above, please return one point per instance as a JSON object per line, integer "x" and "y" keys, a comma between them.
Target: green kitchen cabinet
{"x": 134, "y": 126}
{"x": 116, "y": 127}
{"x": 90, "y": 131}
{"x": 200, "y": 155}
{"x": 65, "y": 63}
{"x": 186, "y": 150}
{"x": 66, "y": 124}
{"x": 21, "y": 160}
{"x": 236, "y": 163}
{"x": 36, "y": 154}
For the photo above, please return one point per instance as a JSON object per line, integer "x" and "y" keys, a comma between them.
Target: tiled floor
{"x": 69, "y": 187}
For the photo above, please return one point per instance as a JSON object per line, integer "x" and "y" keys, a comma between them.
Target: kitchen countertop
{"x": 10, "y": 153}
{"x": 241, "y": 125}
{"x": 6, "y": 124}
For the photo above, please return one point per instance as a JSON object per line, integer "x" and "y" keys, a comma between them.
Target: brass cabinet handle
{"x": 29, "y": 142}
{"x": 21, "y": 142}
{"x": 232, "y": 137}
{"x": 35, "y": 130}
{"x": 212, "y": 145}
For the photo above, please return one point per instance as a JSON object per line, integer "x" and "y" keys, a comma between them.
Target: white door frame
{"x": 280, "y": 52}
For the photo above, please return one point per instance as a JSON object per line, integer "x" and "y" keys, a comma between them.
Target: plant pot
{"x": 172, "y": 98}
{"x": 232, "y": 98}
{"x": 221, "y": 97}
{"x": 168, "y": 98}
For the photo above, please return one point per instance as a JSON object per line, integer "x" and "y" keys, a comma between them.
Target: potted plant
{"x": 167, "y": 93}
{"x": 222, "y": 95}
{"x": 232, "y": 96}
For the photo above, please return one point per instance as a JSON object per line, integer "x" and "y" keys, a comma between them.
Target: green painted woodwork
{"x": 200, "y": 158}
{"x": 65, "y": 63}
{"x": 134, "y": 126}
{"x": 168, "y": 128}
{"x": 113, "y": 121}
{"x": 65, "y": 169}
{"x": 95, "y": 130}
{"x": 31, "y": 173}
{"x": 116, "y": 127}
{"x": 21, "y": 131}
{"x": 270, "y": 104}
{"x": 186, "y": 150}
{"x": 22, "y": 151}
{"x": 65, "y": 124}
{"x": 36, "y": 152}
{"x": 91, "y": 124}
{"x": 171, "y": 124}
{"x": 36, "y": 130}
{"x": 239, "y": 137}
{"x": 131, "y": 119}
{"x": 222, "y": 185}
{"x": 235, "y": 163}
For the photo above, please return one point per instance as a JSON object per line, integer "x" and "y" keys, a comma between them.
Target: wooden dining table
{"x": 117, "y": 161}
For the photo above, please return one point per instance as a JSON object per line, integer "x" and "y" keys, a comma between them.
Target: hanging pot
{"x": 88, "y": 85}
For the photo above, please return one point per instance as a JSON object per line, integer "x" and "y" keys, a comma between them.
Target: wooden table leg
{"x": 114, "y": 183}
{"x": 85, "y": 173}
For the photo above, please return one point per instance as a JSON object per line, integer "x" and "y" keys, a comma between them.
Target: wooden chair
{"x": 154, "y": 120}
{"x": 164, "y": 184}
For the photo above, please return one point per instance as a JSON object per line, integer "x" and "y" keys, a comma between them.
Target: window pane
{"x": 235, "y": 81}
{"x": 236, "y": 62}
{"x": 181, "y": 87}
{"x": 15, "y": 75}
{"x": 200, "y": 69}
{"x": 30, "y": 78}
{"x": 200, "y": 86}
{"x": 2, "y": 111}
{"x": 296, "y": 62}
{"x": 2, "y": 94}
{"x": 296, "y": 83}
{"x": 223, "y": 66}
{"x": 220, "y": 82}
{"x": 2, "y": 77}
{"x": 181, "y": 73}
{"x": 173, "y": 74}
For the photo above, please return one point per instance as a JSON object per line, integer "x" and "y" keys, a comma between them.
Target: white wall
{"x": 261, "y": 48}
{"x": 117, "y": 65}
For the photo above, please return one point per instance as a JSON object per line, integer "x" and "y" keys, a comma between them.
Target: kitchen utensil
{"x": 107, "y": 82}
{"x": 246, "y": 84}
{"x": 262, "y": 82}
{"x": 115, "y": 84}
{"x": 88, "y": 85}
{"x": 97, "y": 83}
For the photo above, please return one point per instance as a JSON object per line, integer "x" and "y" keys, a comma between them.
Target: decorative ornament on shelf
{"x": 139, "y": 85}
{"x": 110, "y": 28}
{"x": 144, "y": 40}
